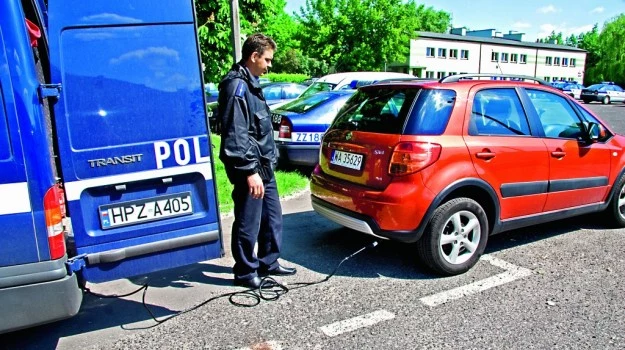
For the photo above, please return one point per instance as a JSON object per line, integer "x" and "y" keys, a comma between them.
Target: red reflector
{"x": 285, "y": 128}
{"x": 54, "y": 205}
{"x": 410, "y": 157}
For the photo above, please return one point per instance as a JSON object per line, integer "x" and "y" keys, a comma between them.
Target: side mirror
{"x": 595, "y": 131}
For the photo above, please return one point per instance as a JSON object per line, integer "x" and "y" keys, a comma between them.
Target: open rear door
{"x": 133, "y": 135}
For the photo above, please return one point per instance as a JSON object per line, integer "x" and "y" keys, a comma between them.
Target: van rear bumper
{"x": 37, "y": 303}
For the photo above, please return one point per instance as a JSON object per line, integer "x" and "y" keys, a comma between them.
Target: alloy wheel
{"x": 461, "y": 236}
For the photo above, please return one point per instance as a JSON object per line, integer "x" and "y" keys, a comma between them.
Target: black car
{"x": 605, "y": 92}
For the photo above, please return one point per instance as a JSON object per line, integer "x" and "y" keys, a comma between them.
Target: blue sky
{"x": 534, "y": 18}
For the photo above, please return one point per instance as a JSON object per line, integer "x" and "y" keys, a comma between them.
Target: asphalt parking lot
{"x": 555, "y": 286}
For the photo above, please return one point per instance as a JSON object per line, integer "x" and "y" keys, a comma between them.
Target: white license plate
{"x": 306, "y": 136}
{"x": 144, "y": 210}
{"x": 346, "y": 159}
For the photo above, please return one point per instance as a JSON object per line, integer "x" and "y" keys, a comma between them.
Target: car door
{"x": 133, "y": 136}
{"x": 504, "y": 152}
{"x": 578, "y": 170}
{"x": 619, "y": 94}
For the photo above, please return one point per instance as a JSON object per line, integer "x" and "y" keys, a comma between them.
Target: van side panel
{"x": 25, "y": 160}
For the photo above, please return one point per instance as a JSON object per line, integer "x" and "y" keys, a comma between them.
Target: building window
{"x": 464, "y": 54}
{"x": 573, "y": 62}
{"x": 548, "y": 60}
{"x": 440, "y": 75}
{"x": 563, "y": 79}
{"x": 429, "y": 52}
{"x": 514, "y": 58}
{"x": 453, "y": 73}
{"x": 556, "y": 61}
{"x": 547, "y": 79}
{"x": 453, "y": 53}
{"x": 494, "y": 56}
{"x": 571, "y": 79}
{"x": 565, "y": 62}
{"x": 429, "y": 74}
{"x": 442, "y": 53}
{"x": 504, "y": 57}
{"x": 523, "y": 59}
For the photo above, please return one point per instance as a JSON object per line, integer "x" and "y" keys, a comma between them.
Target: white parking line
{"x": 512, "y": 273}
{"x": 355, "y": 323}
{"x": 270, "y": 345}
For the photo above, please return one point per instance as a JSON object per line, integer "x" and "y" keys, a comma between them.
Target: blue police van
{"x": 103, "y": 129}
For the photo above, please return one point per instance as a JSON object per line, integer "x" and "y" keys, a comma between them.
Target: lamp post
{"x": 236, "y": 30}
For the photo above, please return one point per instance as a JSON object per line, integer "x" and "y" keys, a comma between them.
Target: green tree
{"x": 214, "y": 30}
{"x": 553, "y": 38}
{"x": 589, "y": 41}
{"x": 572, "y": 40}
{"x": 352, "y": 35}
{"x": 611, "y": 63}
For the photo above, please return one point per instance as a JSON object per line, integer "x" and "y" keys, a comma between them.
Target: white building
{"x": 435, "y": 55}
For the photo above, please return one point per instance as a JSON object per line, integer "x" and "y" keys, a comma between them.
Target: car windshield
{"x": 318, "y": 87}
{"x": 304, "y": 104}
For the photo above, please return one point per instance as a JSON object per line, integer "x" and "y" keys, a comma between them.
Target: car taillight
{"x": 54, "y": 207}
{"x": 285, "y": 128}
{"x": 410, "y": 157}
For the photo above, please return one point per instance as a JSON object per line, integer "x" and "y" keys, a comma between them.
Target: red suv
{"x": 447, "y": 163}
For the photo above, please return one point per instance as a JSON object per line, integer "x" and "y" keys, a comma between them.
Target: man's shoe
{"x": 279, "y": 271}
{"x": 249, "y": 283}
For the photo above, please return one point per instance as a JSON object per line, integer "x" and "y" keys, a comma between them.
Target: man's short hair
{"x": 257, "y": 43}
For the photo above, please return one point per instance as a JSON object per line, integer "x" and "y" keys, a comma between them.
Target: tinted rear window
{"x": 318, "y": 87}
{"x": 385, "y": 111}
{"x": 431, "y": 112}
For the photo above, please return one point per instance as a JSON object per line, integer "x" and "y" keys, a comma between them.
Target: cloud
{"x": 548, "y": 9}
{"x": 547, "y": 28}
{"x": 597, "y": 10}
{"x": 521, "y": 25}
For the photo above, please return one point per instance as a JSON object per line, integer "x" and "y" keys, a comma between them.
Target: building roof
{"x": 498, "y": 41}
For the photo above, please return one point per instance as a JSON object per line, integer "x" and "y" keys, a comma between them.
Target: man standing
{"x": 249, "y": 154}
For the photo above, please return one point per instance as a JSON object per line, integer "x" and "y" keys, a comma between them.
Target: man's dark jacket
{"x": 247, "y": 134}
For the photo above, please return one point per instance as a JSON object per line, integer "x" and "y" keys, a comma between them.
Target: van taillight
{"x": 410, "y": 157}
{"x": 285, "y": 128}
{"x": 54, "y": 207}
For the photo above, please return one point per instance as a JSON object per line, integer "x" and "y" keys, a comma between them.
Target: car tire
{"x": 586, "y": 101}
{"x": 606, "y": 100}
{"x": 616, "y": 209}
{"x": 444, "y": 246}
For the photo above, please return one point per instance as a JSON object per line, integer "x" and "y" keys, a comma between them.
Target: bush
{"x": 286, "y": 77}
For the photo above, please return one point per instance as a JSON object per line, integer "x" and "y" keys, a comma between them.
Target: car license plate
{"x": 346, "y": 159}
{"x": 307, "y": 136}
{"x": 144, "y": 210}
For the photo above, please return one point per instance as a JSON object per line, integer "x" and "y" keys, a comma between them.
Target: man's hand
{"x": 255, "y": 183}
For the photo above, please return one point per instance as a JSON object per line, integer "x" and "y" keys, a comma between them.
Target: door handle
{"x": 558, "y": 154}
{"x": 485, "y": 155}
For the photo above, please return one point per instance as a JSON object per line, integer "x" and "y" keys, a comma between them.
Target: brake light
{"x": 410, "y": 157}
{"x": 285, "y": 128}
{"x": 54, "y": 207}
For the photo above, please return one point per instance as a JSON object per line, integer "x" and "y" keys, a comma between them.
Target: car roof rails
{"x": 398, "y": 79}
{"x": 469, "y": 76}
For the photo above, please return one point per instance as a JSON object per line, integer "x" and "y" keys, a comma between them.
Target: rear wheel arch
{"x": 478, "y": 190}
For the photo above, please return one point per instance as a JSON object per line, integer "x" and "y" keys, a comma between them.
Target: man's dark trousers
{"x": 255, "y": 220}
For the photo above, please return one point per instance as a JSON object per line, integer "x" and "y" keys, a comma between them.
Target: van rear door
{"x": 133, "y": 135}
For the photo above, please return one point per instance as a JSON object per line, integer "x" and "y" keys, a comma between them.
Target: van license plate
{"x": 144, "y": 210}
{"x": 346, "y": 159}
